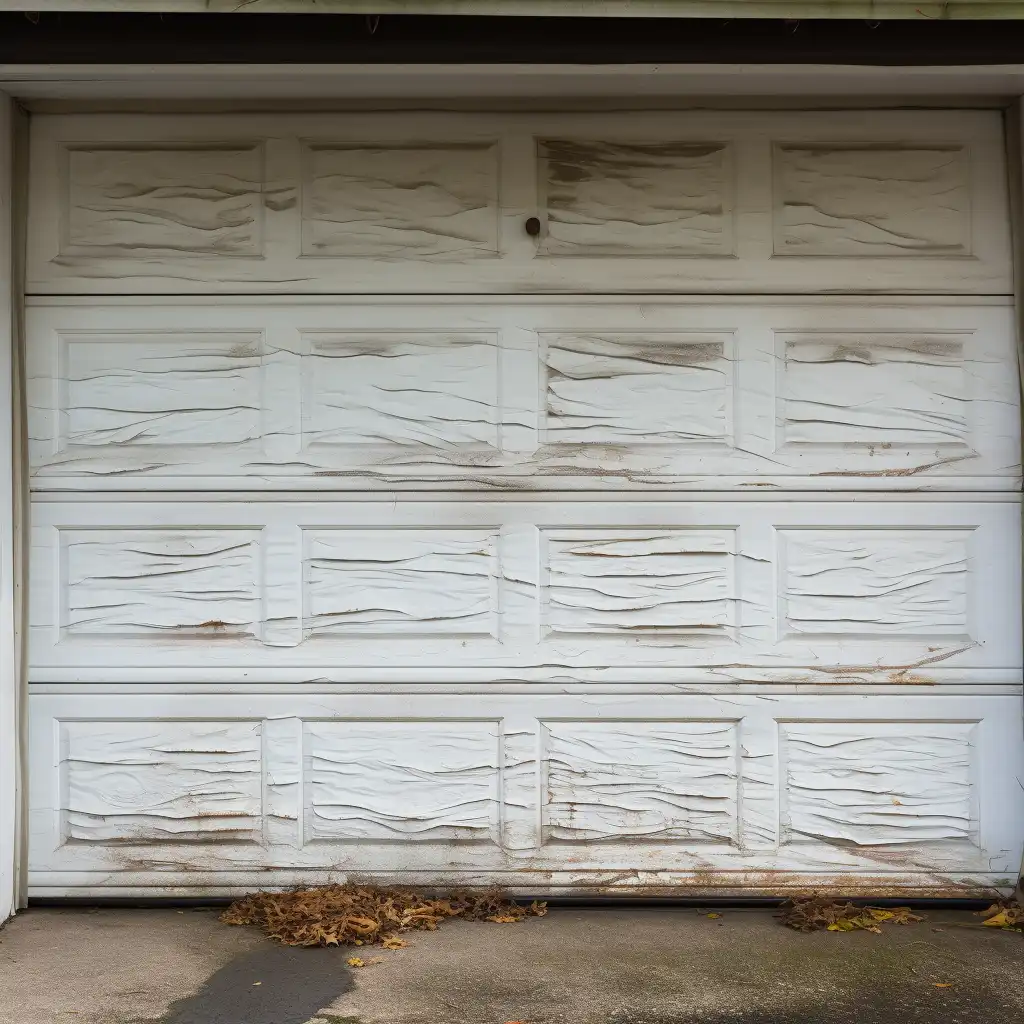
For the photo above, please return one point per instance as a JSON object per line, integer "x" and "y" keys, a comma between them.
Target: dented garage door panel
{"x": 766, "y": 590}
{"x": 885, "y": 201}
{"x": 538, "y": 789}
{"x": 631, "y": 396}
{"x": 675, "y": 544}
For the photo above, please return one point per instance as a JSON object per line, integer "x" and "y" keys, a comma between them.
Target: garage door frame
{"x": 68, "y": 83}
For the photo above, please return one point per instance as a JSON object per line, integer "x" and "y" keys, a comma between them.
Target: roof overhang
{"x": 870, "y": 10}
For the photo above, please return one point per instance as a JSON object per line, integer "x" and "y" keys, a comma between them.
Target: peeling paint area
{"x": 410, "y": 781}
{"x": 400, "y": 582}
{"x": 160, "y": 782}
{"x": 599, "y": 501}
{"x": 876, "y": 583}
{"x": 628, "y": 781}
{"x": 608, "y": 388}
{"x": 495, "y": 396}
{"x": 128, "y": 202}
{"x": 732, "y": 592}
{"x": 159, "y": 582}
{"x": 623, "y": 581}
{"x": 636, "y": 199}
{"x": 160, "y": 388}
{"x": 879, "y": 784}
{"x": 398, "y": 201}
{"x": 872, "y": 200}
{"x": 410, "y": 388}
{"x": 567, "y": 789}
{"x": 856, "y": 388}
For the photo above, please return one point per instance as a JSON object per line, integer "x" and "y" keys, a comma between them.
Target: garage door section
{"x": 672, "y": 539}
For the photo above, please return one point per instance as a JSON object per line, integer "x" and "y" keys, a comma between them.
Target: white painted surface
{"x": 544, "y": 790}
{"x": 433, "y": 202}
{"x": 12, "y": 739}
{"x": 591, "y": 589}
{"x": 762, "y": 590}
{"x": 627, "y": 395}
{"x": 750, "y": 85}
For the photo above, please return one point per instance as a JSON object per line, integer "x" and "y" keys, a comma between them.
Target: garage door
{"x": 572, "y": 502}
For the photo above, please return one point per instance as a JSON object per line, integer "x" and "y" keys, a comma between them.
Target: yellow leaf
{"x": 942, "y": 984}
{"x": 394, "y": 942}
{"x": 714, "y": 917}
{"x": 999, "y": 920}
{"x": 354, "y": 961}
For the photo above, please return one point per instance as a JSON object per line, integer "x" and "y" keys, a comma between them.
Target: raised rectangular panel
{"x": 887, "y": 199}
{"x": 401, "y": 201}
{"x": 629, "y": 781}
{"x": 634, "y": 582}
{"x": 701, "y": 591}
{"x": 874, "y": 388}
{"x": 636, "y": 198}
{"x": 412, "y": 388}
{"x": 580, "y": 787}
{"x": 159, "y": 582}
{"x": 125, "y": 388}
{"x": 434, "y": 202}
{"x": 134, "y": 201}
{"x": 876, "y": 583}
{"x": 160, "y": 782}
{"x": 425, "y": 782}
{"x": 634, "y": 388}
{"x": 878, "y": 783}
{"x": 400, "y": 583}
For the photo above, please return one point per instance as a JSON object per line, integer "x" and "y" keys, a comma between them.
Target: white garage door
{"x": 595, "y": 502}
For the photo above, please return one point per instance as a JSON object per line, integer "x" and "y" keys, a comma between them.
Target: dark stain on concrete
{"x": 268, "y": 985}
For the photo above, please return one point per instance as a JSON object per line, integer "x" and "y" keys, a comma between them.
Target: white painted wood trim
{"x": 12, "y": 893}
{"x": 330, "y": 86}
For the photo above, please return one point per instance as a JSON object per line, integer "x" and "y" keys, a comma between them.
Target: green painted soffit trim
{"x": 870, "y": 10}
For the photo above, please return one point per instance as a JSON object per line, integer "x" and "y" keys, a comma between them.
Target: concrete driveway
{"x": 624, "y": 966}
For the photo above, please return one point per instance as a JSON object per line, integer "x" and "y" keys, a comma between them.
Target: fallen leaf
{"x": 357, "y": 915}
{"x": 394, "y": 942}
{"x": 1000, "y": 920}
{"x": 354, "y": 961}
{"x": 942, "y": 984}
{"x": 714, "y": 917}
{"x": 808, "y": 914}
{"x": 255, "y": 983}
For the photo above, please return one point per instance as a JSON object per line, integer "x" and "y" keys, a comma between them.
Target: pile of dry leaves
{"x": 819, "y": 913}
{"x": 333, "y": 915}
{"x": 1007, "y": 914}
